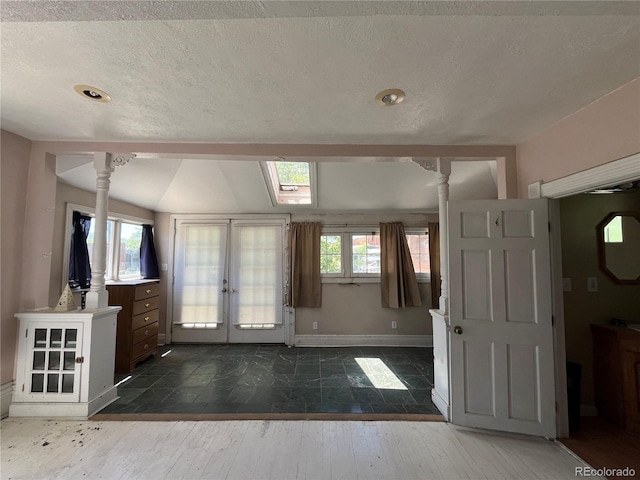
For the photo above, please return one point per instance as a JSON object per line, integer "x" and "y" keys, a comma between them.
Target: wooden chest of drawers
{"x": 616, "y": 368}
{"x": 137, "y": 335}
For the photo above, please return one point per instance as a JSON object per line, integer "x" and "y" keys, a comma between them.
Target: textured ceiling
{"x": 307, "y": 72}
{"x": 475, "y": 72}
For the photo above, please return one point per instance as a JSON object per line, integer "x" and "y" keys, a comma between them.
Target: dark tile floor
{"x": 275, "y": 378}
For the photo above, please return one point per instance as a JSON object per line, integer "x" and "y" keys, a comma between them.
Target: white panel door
{"x": 502, "y": 367}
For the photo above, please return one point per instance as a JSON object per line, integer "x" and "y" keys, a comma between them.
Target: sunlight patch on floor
{"x": 380, "y": 375}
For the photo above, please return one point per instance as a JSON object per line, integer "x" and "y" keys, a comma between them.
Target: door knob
{"x": 224, "y": 290}
{"x": 457, "y": 330}
{"x": 233, "y": 290}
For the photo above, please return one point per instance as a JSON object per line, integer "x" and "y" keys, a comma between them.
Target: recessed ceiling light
{"x": 391, "y": 96}
{"x": 92, "y": 93}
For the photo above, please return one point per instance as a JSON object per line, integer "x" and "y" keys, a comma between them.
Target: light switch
{"x": 566, "y": 284}
{"x": 592, "y": 284}
{"x": 163, "y": 267}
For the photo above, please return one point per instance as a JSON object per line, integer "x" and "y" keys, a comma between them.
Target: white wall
{"x": 604, "y": 131}
{"x": 356, "y": 310}
{"x": 14, "y": 165}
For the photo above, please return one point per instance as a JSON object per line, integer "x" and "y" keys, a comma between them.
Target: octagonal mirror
{"x": 619, "y": 247}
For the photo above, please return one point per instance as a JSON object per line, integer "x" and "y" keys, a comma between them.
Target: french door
{"x": 228, "y": 281}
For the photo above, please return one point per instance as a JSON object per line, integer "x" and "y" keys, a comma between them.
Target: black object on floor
{"x": 278, "y": 379}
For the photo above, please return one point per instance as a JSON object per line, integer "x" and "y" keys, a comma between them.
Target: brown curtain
{"x": 305, "y": 289}
{"x": 434, "y": 260}
{"x": 398, "y": 278}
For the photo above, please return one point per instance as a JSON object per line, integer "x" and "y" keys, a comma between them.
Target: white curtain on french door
{"x": 200, "y": 261}
{"x": 257, "y": 265}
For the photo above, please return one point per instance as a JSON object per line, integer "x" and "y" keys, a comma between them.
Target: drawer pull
{"x": 148, "y": 290}
{"x": 146, "y": 319}
{"x": 146, "y": 332}
{"x": 147, "y": 305}
{"x": 146, "y": 346}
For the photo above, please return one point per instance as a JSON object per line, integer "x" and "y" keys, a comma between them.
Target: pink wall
{"x": 606, "y": 130}
{"x": 14, "y": 164}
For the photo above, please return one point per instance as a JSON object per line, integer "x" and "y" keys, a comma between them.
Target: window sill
{"x": 357, "y": 280}
{"x": 131, "y": 281}
{"x": 350, "y": 280}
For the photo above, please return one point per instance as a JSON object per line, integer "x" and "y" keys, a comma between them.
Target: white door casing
{"x": 502, "y": 364}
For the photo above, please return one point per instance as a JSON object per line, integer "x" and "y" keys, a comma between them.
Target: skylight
{"x": 290, "y": 183}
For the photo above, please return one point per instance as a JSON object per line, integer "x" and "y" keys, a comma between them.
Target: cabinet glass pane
{"x": 38, "y": 360}
{"x": 52, "y": 382}
{"x": 70, "y": 337}
{"x": 67, "y": 383}
{"x": 54, "y": 361}
{"x": 40, "y": 338}
{"x": 69, "y": 360}
{"x": 56, "y": 338}
{"x": 37, "y": 382}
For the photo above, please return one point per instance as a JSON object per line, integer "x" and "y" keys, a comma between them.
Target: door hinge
{"x": 556, "y": 407}
{"x": 553, "y": 320}
{"x": 23, "y": 387}
{"x": 549, "y": 224}
{"x": 79, "y": 359}
{"x": 26, "y": 333}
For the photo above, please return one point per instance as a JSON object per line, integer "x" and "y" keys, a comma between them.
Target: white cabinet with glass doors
{"x": 65, "y": 363}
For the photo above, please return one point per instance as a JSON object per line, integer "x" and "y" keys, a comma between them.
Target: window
{"x": 356, "y": 254}
{"x": 419, "y": 248}
{"x": 613, "y": 231}
{"x": 129, "y": 255}
{"x": 290, "y": 183}
{"x": 365, "y": 254}
{"x": 124, "y": 235}
{"x": 92, "y": 229}
{"x": 331, "y": 254}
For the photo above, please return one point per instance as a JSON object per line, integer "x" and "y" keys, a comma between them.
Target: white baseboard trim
{"x": 162, "y": 339}
{"x": 6, "y": 391}
{"x": 588, "y": 411}
{"x": 364, "y": 340}
{"x": 439, "y": 402}
{"x": 67, "y": 411}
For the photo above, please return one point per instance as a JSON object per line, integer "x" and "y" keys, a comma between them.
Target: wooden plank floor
{"x": 273, "y": 450}
{"x": 604, "y": 445}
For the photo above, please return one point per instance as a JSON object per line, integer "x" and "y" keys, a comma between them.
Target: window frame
{"x": 340, "y": 234}
{"x": 346, "y": 234}
{"x": 111, "y": 276}
{"x": 362, "y": 232}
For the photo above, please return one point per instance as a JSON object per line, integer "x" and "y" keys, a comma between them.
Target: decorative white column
{"x": 440, "y": 316}
{"x": 443, "y": 173}
{"x": 105, "y": 164}
{"x": 442, "y": 167}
